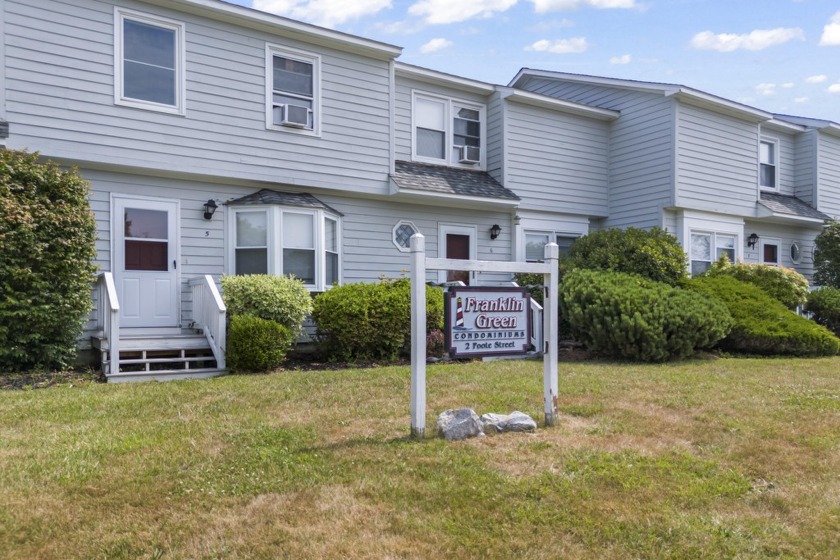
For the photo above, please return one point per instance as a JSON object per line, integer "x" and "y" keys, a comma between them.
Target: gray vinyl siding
{"x": 641, "y": 149}
{"x": 828, "y": 157}
{"x": 496, "y": 138}
{"x": 717, "y": 162}
{"x": 60, "y": 84}
{"x": 402, "y": 118}
{"x": 556, "y": 161}
{"x": 788, "y": 235}
{"x": 804, "y": 179}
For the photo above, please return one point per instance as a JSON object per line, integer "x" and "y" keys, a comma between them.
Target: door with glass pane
{"x": 145, "y": 262}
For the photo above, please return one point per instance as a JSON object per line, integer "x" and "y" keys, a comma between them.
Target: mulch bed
{"x": 42, "y": 380}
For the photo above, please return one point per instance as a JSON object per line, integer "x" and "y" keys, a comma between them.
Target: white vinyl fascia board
{"x": 442, "y": 78}
{"x": 552, "y": 103}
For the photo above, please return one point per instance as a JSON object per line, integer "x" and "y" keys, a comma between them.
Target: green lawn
{"x": 730, "y": 458}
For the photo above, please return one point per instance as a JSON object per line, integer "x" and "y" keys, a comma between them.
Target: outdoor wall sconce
{"x": 495, "y": 231}
{"x": 752, "y": 240}
{"x": 209, "y": 209}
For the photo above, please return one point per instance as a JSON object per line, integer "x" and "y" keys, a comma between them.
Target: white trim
{"x": 797, "y": 260}
{"x": 461, "y": 197}
{"x": 122, "y": 14}
{"x": 775, "y": 142}
{"x": 546, "y": 102}
{"x": 445, "y": 229}
{"x": 394, "y": 229}
{"x": 272, "y": 50}
{"x": 444, "y": 79}
{"x": 450, "y": 103}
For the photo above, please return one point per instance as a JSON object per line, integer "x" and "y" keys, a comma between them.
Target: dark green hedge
{"x": 627, "y": 316}
{"x": 256, "y": 344}
{"x": 762, "y": 324}
{"x": 824, "y": 306}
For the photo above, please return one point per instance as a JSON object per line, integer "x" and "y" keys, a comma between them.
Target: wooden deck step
{"x": 155, "y": 342}
{"x": 164, "y": 375}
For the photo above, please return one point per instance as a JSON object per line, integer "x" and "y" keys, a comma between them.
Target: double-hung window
{"x": 707, "y": 247}
{"x": 149, "y": 62}
{"x": 292, "y": 90}
{"x": 286, "y": 241}
{"x": 535, "y": 243}
{"x": 768, "y": 164}
{"x": 447, "y": 131}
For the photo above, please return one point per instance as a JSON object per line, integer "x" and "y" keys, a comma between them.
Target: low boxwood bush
{"x": 47, "y": 247}
{"x": 824, "y": 307}
{"x": 783, "y": 284}
{"x": 275, "y": 298}
{"x": 654, "y": 254}
{"x": 762, "y": 324}
{"x": 256, "y": 344}
{"x": 371, "y": 321}
{"x": 627, "y": 316}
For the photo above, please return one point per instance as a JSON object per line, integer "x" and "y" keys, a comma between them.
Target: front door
{"x": 457, "y": 242}
{"x": 145, "y": 261}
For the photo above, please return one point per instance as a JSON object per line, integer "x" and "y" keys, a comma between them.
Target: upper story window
{"x": 447, "y": 131}
{"x": 292, "y": 90}
{"x": 149, "y": 62}
{"x": 768, "y": 164}
{"x": 286, "y": 241}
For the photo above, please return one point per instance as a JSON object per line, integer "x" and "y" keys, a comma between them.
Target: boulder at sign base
{"x": 459, "y": 424}
{"x": 514, "y": 422}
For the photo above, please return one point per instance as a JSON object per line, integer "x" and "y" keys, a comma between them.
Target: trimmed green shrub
{"x": 47, "y": 237}
{"x": 371, "y": 321}
{"x": 824, "y": 307}
{"x": 627, "y": 316}
{"x": 256, "y": 344}
{"x": 274, "y": 298}
{"x": 535, "y": 281}
{"x": 654, "y": 254}
{"x": 827, "y": 256}
{"x": 762, "y": 324}
{"x": 783, "y": 284}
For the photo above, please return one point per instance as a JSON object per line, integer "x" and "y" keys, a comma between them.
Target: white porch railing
{"x": 210, "y": 315}
{"x": 108, "y": 308}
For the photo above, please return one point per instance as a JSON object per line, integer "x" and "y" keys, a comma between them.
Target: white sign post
{"x": 420, "y": 263}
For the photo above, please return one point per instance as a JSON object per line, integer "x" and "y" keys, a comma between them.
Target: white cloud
{"x": 452, "y": 11}
{"x": 542, "y": 6}
{"x": 766, "y": 89}
{"x": 328, "y": 13}
{"x": 788, "y": 85}
{"x": 831, "y": 32}
{"x": 818, "y": 79}
{"x": 801, "y": 99}
{"x": 833, "y": 88}
{"x": 623, "y": 59}
{"x": 437, "y": 44}
{"x": 560, "y": 46}
{"x": 753, "y": 41}
{"x": 545, "y": 26}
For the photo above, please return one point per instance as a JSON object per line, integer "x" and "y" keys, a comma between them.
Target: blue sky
{"x": 779, "y": 55}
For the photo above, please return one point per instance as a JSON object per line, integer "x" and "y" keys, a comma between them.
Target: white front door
{"x": 145, "y": 261}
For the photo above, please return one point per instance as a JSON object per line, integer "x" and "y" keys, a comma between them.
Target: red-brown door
{"x": 458, "y": 247}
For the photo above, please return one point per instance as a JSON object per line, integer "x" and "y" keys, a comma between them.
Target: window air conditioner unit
{"x": 469, "y": 154}
{"x": 295, "y": 116}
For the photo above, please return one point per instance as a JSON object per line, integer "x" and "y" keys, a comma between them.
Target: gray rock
{"x": 514, "y": 422}
{"x": 459, "y": 424}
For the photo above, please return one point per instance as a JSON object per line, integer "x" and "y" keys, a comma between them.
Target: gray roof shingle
{"x": 267, "y": 196}
{"x": 784, "y": 204}
{"x": 448, "y": 180}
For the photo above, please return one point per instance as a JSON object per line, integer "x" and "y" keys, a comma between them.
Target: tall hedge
{"x": 627, "y": 316}
{"x": 762, "y": 324}
{"x": 654, "y": 254}
{"x": 47, "y": 247}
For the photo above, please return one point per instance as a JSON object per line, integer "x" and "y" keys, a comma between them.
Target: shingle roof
{"x": 783, "y": 204}
{"x": 448, "y": 180}
{"x": 267, "y": 196}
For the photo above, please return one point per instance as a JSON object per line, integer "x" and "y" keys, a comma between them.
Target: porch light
{"x": 209, "y": 209}
{"x": 752, "y": 240}
{"x": 495, "y": 231}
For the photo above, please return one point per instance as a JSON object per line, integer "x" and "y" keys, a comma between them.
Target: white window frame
{"x": 770, "y": 241}
{"x": 774, "y": 142}
{"x": 450, "y": 105}
{"x": 120, "y": 15}
{"x": 456, "y": 229}
{"x": 394, "y": 234}
{"x": 275, "y": 242}
{"x": 552, "y": 238}
{"x": 713, "y": 245}
{"x": 798, "y": 245}
{"x": 271, "y": 51}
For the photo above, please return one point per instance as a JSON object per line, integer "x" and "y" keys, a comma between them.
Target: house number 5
{"x": 206, "y": 234}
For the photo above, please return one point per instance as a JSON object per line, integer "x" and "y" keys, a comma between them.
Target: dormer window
{"x": 447, "y": 131}
{"x": 768, "y": 164}
{"x": 292, "y": 89}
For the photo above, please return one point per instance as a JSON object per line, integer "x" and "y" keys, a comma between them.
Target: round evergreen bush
{"x": 827, "y": 256}
{"x": 783, "y": 284}
{"x": 47, "y": 237}
{"x": 824, "y": 307}
{"x": 627, "y": 316}
{"x": 762, "y": 324}
{"x": 371, "y": 321}
{"x": 274, "y": 298}
{"x": 654, "y": 254}
{"x": 256, "y": 344}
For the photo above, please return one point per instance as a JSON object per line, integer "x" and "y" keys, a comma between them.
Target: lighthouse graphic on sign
{"x": 459, "y": 314}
